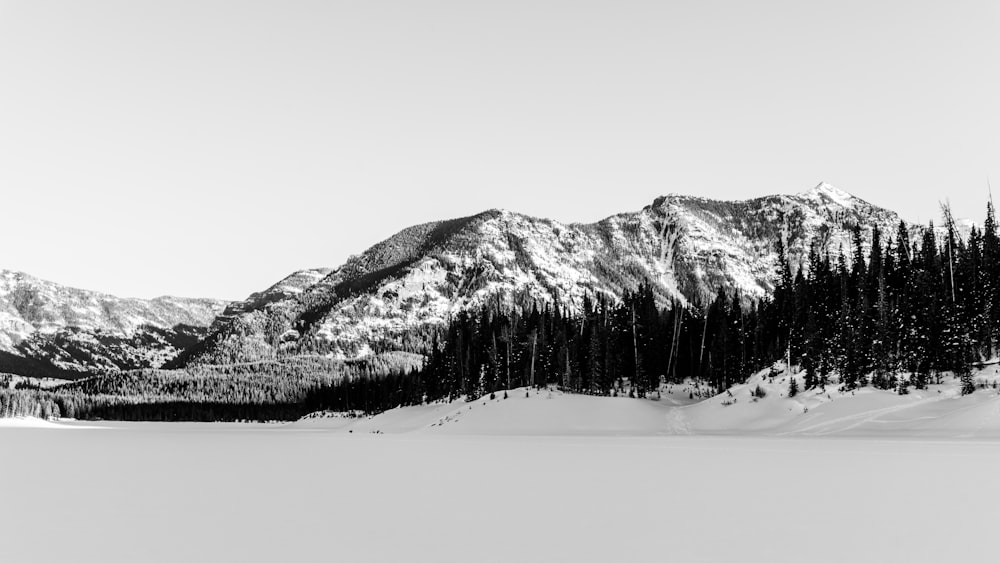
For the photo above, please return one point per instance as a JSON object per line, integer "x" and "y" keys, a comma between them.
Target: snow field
{"x": 539, "y": 476}
{"x": 194, "y": 492}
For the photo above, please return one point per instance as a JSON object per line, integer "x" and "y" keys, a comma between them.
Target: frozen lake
{"x": 190, "y": 492}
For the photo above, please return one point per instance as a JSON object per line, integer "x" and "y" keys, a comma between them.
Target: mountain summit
{"x": 828, "y": 192}
{"x": 391, "y": 296}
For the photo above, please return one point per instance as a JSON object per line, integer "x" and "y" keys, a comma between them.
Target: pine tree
{"x": 991, "y": 280}
{"x": 968, "y": 385}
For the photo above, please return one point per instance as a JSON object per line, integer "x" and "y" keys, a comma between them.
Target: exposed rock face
{"x": 687, "y": 248}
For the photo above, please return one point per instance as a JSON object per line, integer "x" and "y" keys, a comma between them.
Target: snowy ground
{"x": 868, "y": 476}
{"x": 938, "y": 412}
{"x": 157, "y": 492}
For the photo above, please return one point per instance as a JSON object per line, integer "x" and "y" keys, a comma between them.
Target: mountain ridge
{"x": 686, "y": 247}
{"x": 76, "y": 330}
{"x": 396, "y": 293}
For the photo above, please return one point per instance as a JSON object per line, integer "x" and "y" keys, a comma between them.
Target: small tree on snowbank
{"x": 968, "y": 385}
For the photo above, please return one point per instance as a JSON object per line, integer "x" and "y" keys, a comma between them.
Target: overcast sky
{"x": 209, "y": 148}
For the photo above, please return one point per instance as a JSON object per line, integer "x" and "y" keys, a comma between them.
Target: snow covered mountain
{"x": 686, "y": 247}
{"x": 46, "y": 327}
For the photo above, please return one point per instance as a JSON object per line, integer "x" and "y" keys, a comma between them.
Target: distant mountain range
{"x": 51, "y": 329}
{"x": 393, "y": 295}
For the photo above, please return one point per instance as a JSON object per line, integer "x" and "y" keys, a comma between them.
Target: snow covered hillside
{"x": 759, "y": 407}
{"x": 686, "y": 247}
{"x": 46, "y": 327}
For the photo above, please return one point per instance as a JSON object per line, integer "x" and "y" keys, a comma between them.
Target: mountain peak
{"x": 829, "y": 192}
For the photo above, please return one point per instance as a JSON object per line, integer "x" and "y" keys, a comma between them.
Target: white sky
{"x": 209, "y": 148}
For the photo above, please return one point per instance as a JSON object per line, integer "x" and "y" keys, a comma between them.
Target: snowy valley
{"x": 686, "y": 291}
{"x": 505, "y": 388}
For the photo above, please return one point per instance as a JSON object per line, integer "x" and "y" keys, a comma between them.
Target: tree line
{"x": 261, "y": 391}
{"x": 923, "y": 308}
{"x": 893, "y": 313}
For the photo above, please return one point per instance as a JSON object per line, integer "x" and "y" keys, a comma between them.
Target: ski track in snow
{"x": 859, "y": 420}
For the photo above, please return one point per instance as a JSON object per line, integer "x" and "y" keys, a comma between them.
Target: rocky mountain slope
{"x": 51, "y": 329}
{"x": 392, "y": 295}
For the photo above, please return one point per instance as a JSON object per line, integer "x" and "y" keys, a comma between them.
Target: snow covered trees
{"x": 14, "y": 403}
{"x": 927, "y": 308}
